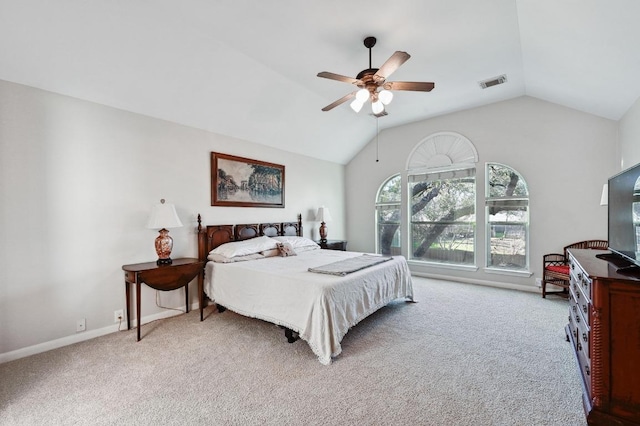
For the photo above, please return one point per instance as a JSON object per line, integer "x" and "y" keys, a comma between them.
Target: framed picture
{"x": 243, "y": 182}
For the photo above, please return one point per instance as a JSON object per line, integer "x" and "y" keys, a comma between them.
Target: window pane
{"x": 388, "y": 222}
{"x": 507, "y": 238}
{"x": 443, "y": 220}
{"x": 390, "y": 192}
{"x": 450, "y": 243}
{"x": 388, "y": 216}
{"x": 503, "y": 181}
{"x": 507, "y": 216}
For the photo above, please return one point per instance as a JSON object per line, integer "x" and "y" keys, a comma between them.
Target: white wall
{"x": 77, "y": 183}
{"x": 630, "y": 137}
{"x": 564, "y": 155}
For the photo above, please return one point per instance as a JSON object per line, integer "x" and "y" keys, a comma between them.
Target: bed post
{"x": 202, "y": 240}
{"x": 300, "y": 224}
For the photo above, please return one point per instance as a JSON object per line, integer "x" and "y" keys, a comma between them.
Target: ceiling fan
{"x": 370, "y": 80}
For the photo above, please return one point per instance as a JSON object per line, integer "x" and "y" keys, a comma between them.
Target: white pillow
{"x": 307, "y": 248}
{"x": 296, "y": 242}
{"x": 245, "y": 247}
{"x": 218, "y": 258}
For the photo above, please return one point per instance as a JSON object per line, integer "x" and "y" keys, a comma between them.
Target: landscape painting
{"x": 243, "y": 182}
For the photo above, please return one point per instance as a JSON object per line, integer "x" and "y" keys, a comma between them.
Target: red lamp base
{"x": 164, "y": 245}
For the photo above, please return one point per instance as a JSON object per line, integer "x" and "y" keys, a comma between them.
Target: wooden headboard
{"x": 212, "y": 236}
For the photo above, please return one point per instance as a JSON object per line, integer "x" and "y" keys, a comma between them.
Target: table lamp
{"x": 604, "y": 198}
{"x": 164, "y": 216}
{"x": 323, "y": 216}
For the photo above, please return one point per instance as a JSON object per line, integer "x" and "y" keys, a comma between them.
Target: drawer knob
{"x": 584, "y": 336}
{"x": 585, "y": 309}
{"x": 577, "y": 318}
{"x": 587, "y": 370}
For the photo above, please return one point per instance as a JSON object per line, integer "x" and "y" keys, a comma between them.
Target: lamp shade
{"x": 377, "y": 107}
{"x": 362, "y": 95}
{"x": 385, "y": 97}
{"x": 164, "y": 216}
{"x": 356, "y": 105}
{"x": 323, "y": 214}
{"x": 604, "y": 198}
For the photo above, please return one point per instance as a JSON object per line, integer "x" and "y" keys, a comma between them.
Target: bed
{"x": 263, "y": 271}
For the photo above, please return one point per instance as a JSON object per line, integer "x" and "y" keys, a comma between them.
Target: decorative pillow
{"x": 286, "y": 250}
{"x": 245, "y": 247}
{"x": 271, "y": 252}
{"x": 296, "y": 242}
{"x": 218, "y": 258}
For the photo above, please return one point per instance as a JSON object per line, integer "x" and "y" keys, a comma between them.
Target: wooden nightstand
{"x": 161, "y": 277}
{"x": 333, "y": 244}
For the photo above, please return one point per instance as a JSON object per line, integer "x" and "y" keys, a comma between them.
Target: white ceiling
{"x": 248, "y": 69}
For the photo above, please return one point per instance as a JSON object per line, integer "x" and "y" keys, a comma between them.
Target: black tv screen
{"x": 624, "y": 214}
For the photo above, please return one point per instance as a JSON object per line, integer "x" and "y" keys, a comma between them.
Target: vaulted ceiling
{"x": 247, "y": 68}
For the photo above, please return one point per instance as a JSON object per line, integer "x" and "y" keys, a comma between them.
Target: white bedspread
{"x": 321, "y": 308}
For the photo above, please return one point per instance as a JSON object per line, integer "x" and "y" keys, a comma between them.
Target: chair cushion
{"x": 561, "y": 269}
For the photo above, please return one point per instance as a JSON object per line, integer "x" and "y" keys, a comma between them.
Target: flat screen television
{"x": 624, "y": 215}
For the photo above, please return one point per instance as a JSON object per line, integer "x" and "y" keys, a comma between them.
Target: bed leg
{"x": 291, "y": 335}
{"x": 220, "y": 308}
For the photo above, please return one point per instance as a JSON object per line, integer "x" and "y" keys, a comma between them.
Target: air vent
{"x": 493, "y": 81}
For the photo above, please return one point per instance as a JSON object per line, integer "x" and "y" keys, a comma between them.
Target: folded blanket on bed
{"x": 347, "y": 266}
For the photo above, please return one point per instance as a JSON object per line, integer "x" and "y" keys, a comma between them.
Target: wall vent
{"x": 493, "y": 81}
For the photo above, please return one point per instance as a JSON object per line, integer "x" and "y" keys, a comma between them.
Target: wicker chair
{"x": 555, "y": 266}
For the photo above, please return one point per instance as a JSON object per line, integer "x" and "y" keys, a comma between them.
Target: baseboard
{"x": 509, "y": 286}
{"x": 86, "y": 335}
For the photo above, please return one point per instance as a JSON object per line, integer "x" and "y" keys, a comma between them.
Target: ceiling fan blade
{"x": 332, "y": 76}
{"x": 409, "y": 85}
{"x": 342, "y": 100}
{"x": 392, "y": 64}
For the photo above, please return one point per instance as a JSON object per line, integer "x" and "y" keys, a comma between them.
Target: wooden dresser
{"x": 604, "y": 331}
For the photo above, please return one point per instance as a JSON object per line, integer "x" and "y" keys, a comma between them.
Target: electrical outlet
{"x": 118, "y": 315}
{"x": 81, "y": 325}
{"x": 539, "y": 282}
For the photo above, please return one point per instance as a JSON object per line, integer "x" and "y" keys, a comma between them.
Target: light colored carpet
{"x": 463, "y": 355}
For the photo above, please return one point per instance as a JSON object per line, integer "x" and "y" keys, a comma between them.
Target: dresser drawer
{"x": 585, "y": 368}
{"x": 582, "y": 344}
{"x": 584, "y": 283}
{"x": 573, "y": 331}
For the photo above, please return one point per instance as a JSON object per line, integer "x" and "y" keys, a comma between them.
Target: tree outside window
{"x": 388, "y": 216}
{"x": 443, "y": 219}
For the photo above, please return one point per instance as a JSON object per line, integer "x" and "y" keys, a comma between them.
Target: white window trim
{"x": 452, "y": 266}
{"x": 510, "y": 272}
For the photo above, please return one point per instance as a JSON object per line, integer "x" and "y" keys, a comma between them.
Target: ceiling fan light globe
{"x": 356, "y": 105}
{"x": 362, "y": 96}
{"x": 377, "y": 107}
{"x": 385, "y": 97}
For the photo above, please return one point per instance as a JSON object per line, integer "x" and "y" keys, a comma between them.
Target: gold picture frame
{"x": 244, "y": 182}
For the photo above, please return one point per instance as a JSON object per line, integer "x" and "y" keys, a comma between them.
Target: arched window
{"x": 507, "y": 215}
{"x": 441, "y": 176}
{"x": 388, "y": 216}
